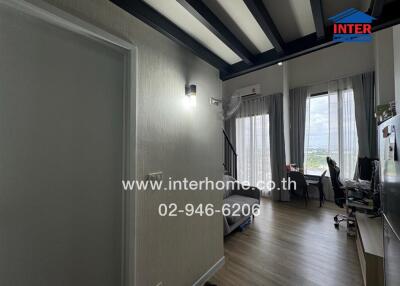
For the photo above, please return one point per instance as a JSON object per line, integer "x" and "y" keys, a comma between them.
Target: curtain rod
{"x": 327, "y": 81}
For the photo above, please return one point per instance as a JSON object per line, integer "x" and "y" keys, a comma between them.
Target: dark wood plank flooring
{"x": 290, "y": 244}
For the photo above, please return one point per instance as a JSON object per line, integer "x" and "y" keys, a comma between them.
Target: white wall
{"x": 384, "y": 68}
{"x": 338, "y": 61}
{"x": 271, "y": 80}
{"x": 176, "y": 251}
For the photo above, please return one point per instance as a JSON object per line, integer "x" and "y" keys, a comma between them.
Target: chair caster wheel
{"x": 336, "y": 225}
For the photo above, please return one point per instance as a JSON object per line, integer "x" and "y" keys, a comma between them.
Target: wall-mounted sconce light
{"x": 190, "y": 95}
{"x": 280, "y": 64}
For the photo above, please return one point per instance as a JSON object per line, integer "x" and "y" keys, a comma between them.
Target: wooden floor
{"x": 289, "y": 244}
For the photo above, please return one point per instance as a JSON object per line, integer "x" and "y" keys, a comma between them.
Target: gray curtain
{"x": 364, "y": 99}
{"x": 297, "y": 107}
{"x": 277, "y": 144}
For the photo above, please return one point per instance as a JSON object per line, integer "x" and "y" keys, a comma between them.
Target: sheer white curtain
{"x": 349, "y": 138}
{"x": 252, "y": 143}
{"x": 331, "y": 130}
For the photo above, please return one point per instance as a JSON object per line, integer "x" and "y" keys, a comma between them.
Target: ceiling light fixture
{"x": 280, "y": 64}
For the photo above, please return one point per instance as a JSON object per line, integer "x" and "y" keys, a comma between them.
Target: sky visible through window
{"x": 331, "y": 132}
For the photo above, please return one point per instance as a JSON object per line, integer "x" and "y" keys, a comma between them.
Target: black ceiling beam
{"x": 376, "y": 8}
{"x": 150, "y": 16}
{"x": 318, "y": 15}
{"x": 202, "y": 13}
{"x": 389, "y": 16}
{"x": 310, "y": 43}
{"x": 262, "y": 16}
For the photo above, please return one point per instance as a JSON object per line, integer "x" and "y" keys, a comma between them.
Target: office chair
{"x": 301, "y": 183}
{"x": 339, "y": 192}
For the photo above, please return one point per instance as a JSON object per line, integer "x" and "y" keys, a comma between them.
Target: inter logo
{"x": 352, "y": 25}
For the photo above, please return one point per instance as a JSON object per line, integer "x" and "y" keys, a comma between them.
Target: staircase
{"x": 230, "y": 157}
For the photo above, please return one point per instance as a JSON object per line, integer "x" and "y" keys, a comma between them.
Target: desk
{"x": 316, "y": 181}
{"x": 360, "y": 206}
{"x": 369, "y": 240}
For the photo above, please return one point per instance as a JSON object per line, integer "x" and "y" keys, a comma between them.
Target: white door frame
{"x": 52, "y": 14}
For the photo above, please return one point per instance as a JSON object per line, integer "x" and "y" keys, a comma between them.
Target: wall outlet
{"x": 156, "y": 176}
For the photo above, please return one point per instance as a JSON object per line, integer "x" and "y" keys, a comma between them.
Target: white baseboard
{"x": 210, "y": 272}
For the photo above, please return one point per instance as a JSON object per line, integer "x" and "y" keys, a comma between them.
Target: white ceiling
{"x": 235, "y": 15}
{"x": 293, "y": 19}
{"x": 184, "y": 20}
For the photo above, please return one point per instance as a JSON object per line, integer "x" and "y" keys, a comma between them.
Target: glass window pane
{"x": 319, "y": 135}
{"x": 253, "y": 149}
{"x": 331, "y": 131}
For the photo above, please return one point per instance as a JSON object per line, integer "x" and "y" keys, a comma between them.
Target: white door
{"x": 61, "y": 126}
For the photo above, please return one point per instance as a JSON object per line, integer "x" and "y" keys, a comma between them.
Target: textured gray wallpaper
{"x": 176, "y": 251}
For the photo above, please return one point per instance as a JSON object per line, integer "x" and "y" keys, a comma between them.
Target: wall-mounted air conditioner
{"x": 248, "y": 90}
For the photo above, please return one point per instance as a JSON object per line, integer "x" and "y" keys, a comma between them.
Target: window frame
{"x": 340, "y": 126}
{"x": 315, "y": 95}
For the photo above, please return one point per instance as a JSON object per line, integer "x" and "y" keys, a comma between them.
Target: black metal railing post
{"x": 230, "y": 157}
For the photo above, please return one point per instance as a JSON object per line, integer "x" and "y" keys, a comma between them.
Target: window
{"x": 252, "y": 146}
{"x": 331, "y": 131}
{"x": 321, "y": 134}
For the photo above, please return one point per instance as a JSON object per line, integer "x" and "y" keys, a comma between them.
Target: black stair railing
{"x": 230, "y": 157}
